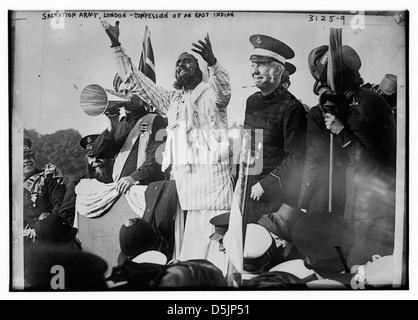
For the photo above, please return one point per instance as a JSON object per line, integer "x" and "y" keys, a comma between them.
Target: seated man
{"x": 43, "y": 191}
{"x": 99, "y": 169}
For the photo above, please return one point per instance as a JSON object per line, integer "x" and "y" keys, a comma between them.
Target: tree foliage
{"x": 61, "y": 148}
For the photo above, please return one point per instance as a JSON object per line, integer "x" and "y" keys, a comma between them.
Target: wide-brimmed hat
{"x": 318, "y": 61}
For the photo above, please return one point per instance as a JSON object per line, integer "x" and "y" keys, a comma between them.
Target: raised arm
{"x": 218, "y": 76}
{"x": 136, "y": 82}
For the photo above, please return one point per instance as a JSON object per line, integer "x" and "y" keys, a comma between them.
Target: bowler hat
{"x": 136, "y": 238}
{"x": 269, "y": 48}
{"x": 87, "y": 143}
{"x": 323, "y": 236}
{"x": 388, "y": 85}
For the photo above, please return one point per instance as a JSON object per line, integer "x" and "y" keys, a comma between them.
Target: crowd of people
{"x": 302, "y": 226}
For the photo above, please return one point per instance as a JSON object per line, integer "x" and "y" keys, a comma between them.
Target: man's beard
{"x": 187, "y": 80}
{"x": 101, "y": 174}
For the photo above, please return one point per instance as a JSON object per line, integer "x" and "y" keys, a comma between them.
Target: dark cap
{"x": 289, "y": 69}
{"x": 318, "y": 61}
{"x": 268, "y": 48}
{"x": 87, "y": 143}
{"x": 221, "y": 223}
{"x": 323, "y": 236}
{"x": 27, "y": 145}
{"x": 137, "y": 238}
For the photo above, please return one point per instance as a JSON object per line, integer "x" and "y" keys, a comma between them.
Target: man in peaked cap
{"x": 43, "y": 191}
{"x": 364, "y": 137}
{"x": 279, "y": 153}
{"x": 99, "y": 169}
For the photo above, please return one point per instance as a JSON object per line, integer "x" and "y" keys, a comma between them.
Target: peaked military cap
{"x": 27, "y": 145}
{"x": 267, "y": 48}
{"x": 87, "y": 143}
{"x": 221, "y": 223}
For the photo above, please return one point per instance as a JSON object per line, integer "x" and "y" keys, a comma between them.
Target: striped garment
{"x": 197, "y": 142}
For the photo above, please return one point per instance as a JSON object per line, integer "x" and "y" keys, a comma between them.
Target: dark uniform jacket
{"x": 161, "y": 206}
{"x": 315, "y": 182}
{"x": 48, "y": 198}
{"x": 67, "y": 210}
{"x": 108, "y": 145}
{"x": 279, "y": 149}
{"x": 364, "y": 171}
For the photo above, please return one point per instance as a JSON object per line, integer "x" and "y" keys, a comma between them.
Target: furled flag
{"x": 146, "y": 61}
{"x": 233, "y": 240}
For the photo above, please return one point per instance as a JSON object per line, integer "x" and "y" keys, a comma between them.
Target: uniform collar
{"x": 276, "y": 93}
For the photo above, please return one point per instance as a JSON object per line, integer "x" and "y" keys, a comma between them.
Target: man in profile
{"x": 281, "y": 118}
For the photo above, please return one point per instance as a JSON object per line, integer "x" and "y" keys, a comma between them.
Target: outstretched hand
{"x": 112, "y": 32}
{"x": 205, "y": 50}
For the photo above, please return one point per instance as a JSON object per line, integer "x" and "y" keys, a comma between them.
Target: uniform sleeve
{"x": 56, "y": 193}
{"x": 219, "y": 78}
{"x": 139, "y": 84}
{"x": 294, "y": 132}
{"x": 151, "y": 168}
{"x": 317, "y": 152}
{"x": 67, "y": 210}
{"x": 358, "y": 136}
{"x": 109, "y": 143}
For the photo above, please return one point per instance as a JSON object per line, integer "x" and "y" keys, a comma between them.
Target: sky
{"x": 56, "y": 59}
{"x": 53, "y": 65}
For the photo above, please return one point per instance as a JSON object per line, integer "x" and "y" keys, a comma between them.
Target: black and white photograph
{"x": 212, "y": 150}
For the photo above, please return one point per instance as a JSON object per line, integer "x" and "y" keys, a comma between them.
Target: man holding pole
{"x": 364, "y": 134}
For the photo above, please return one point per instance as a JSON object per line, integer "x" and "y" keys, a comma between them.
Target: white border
{"x": 221, "y": 5}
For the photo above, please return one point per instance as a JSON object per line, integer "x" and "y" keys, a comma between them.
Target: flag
{"x": 146, "y": 61}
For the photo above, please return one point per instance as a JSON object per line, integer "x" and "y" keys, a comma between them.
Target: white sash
{"x": 129, "y": 143}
